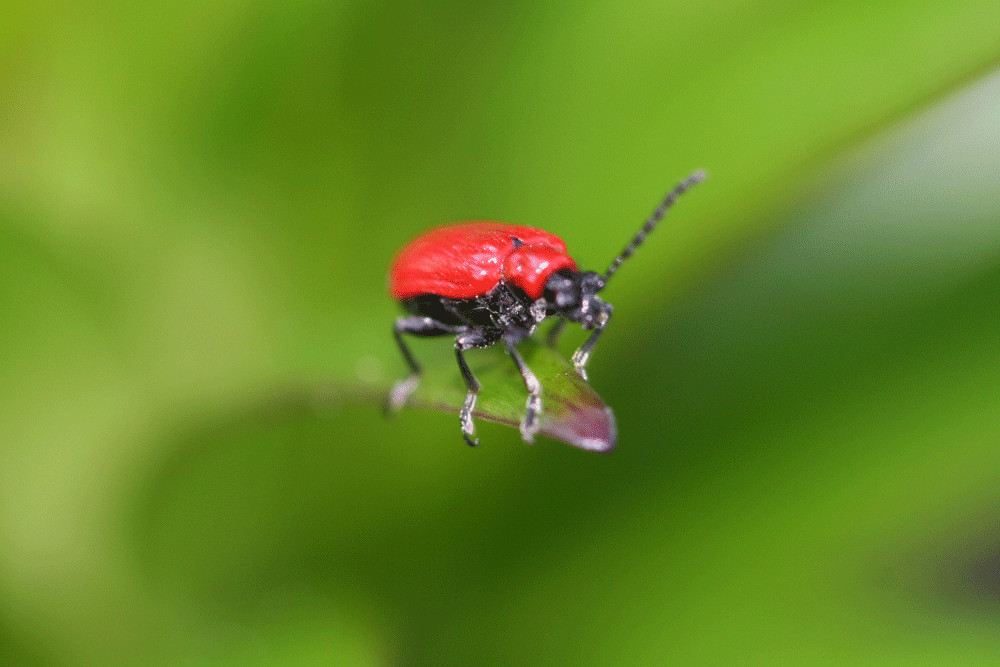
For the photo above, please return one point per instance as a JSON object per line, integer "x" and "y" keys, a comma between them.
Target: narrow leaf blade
{"x": 572, "y": 412}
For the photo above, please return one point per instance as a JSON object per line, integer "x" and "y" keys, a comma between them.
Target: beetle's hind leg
{"x": 415, "y": 326}
{"x": 533, "y": 407}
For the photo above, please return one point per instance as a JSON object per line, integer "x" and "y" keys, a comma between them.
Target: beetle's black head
{"x": 573, "y": 295}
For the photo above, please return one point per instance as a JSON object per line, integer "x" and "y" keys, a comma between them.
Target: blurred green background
{"x": 198, "y": 205}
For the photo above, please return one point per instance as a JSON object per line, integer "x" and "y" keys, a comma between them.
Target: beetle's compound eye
{"x": 592, "y": 283}
{"x": 567, "y": 298}
{"x": 562, "y": 290}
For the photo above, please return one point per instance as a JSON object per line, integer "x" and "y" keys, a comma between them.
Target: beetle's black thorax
{"x": 503, "y": 307}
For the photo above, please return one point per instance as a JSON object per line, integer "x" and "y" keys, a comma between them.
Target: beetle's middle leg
{"x": 533, "y": 407}
{"x": 480, "y": 337}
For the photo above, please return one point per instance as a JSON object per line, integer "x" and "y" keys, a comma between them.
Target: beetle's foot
{"x": 400, "y": 393}
{"x": 468, "y": 428}
{"x": 580, "y": 363}
{"x": 529, "y": 424}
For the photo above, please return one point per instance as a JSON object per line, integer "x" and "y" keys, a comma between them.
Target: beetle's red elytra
{"x": 470, "y": 259}
{"x": 485, "y": 282}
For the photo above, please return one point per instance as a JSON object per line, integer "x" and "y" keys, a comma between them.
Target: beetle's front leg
{"x": 552, "y": 338}
{"x": 582, "y": 355}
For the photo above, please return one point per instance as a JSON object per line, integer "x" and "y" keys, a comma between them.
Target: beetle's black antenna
{"x": 661, "y": 210}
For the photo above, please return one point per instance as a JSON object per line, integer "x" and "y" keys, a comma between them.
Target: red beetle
{"x": 483, "y": 282}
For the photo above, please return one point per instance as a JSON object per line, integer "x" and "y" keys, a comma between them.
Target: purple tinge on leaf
{"x": 572, "y": 412}
{"x": 579, "y": 417}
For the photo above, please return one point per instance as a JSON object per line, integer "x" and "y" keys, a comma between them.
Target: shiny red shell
{"x": 470, "y": 259}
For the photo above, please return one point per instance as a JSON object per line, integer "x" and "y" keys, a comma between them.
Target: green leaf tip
{"x": 572, "y": 412}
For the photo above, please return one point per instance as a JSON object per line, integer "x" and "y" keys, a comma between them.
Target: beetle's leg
{"x": 416, "y": 326}
{"x": 464, "y": 341}
{"x": 533, "y": 407}
{"x": 582, "y": 355}
{"x": 553, "y": 336}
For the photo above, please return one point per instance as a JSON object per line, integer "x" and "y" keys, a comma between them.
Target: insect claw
{"x": 400, "y": 393}
{"x": 529, "y": 424}
{"x": 468, "y": 428}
